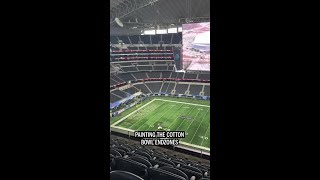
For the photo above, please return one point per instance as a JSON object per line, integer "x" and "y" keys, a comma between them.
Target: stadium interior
{"x": 146, "y": 62}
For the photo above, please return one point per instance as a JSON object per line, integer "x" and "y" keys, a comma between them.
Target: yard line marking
{"x": 199, "y": 125}
{"x": 122, "y": 119}
{"x": 192, "y": 120}
{"x": 156, "y": 120}
{"x": 187, "y": 115}
{"x": 183, "y": 102}
{"x": 173, "y": 114}
{"x": 145, "y": 115}
{"x": 176, "y": 118}
{"x": 205, "y": 135}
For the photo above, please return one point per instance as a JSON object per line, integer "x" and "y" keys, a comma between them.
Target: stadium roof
{"x": 137, "y": 15}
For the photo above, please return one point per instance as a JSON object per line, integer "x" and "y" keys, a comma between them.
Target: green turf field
{"x": 166, "y": 112}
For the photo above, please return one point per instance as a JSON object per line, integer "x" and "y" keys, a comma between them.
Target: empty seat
{"x": 143, "y": 154}
{"x": 122, "y": 152}
{"x": 175, "y": 171}
{"x": 192, "y": 168}
{"x": 166, "y": 161}
{"x": 123, "y": 175}
{"x": 176, "y": 162}
{"x": 131, "y": 166}
{"x": 122, "y": 148}
{"x": 160, "y": 163}
{"x": 141, "y": 160}
{"x": 115, "y": 153}
{"x": 160, "y": 174}
{"x": 190, "y": 173}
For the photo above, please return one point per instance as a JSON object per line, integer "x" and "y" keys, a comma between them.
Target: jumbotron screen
{"x": 196, "y": 46}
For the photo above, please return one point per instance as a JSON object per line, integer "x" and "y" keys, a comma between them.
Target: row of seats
{"x": 148, "y": 39}
{"x": 142, "y": 63}
{"x": 128, "y": 160}
{"x": 151, "y": 48}
{"x": 125, "y": 77}
{"x": 144, "y": 47}
{"x": 160, "y": 87}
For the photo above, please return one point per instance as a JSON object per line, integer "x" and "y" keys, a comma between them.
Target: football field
{"x": 170, "y": 114}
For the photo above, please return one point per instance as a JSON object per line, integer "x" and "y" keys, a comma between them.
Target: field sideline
{"x": 172, "y": 114}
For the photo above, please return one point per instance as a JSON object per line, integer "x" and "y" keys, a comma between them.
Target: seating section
{"x": 154, "y": 87}
{"x": 170, "y": 87}
{"x": 112, "y": 82}
{"x": 206, "y": 90}
{"x": 114, "y": 98}
{"x": 164, "y": 87}
{"x": 195, "y": 89}
{"x": 130, "y": 161}
{"x": 129, "y": 69}
{"x": 131, "y": 90}
{"x": 124, "y": 39}
{"x": 140, "y": 75}
{"x": 190, "y": 76}
{"x": 154, "y": 74}
{"x": 174, "y": 75}
{"x": 145, "y": 39}
{"x": 180, "y": 75}
{"x": 155, "y": 39}
{"x": 166, "y": 38}
{"x": 160, "y": 68}
{"x": 166, "y": 74}
{"x": 143, "y": 88}
{"x": 113, "y": 40}
{"x": 123, "y": 175}
{"x": 126, "y": 77}
{"x": 176, "y": 39}
{"x": 181, "y": 88}
{"x": 120, "y": 93}
{"x": 144, "y": 68}
{"x": 204, "y": 76}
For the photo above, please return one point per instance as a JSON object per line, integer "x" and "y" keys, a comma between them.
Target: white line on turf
{"x": 187, "y": 115}
{"x": 144, "y": 116}
{"x": 122, "y": 119}
{"x": 205, "y": 134}
{"x": 192, "y": 120}
{"x": 199, "y": 125}
{"x": 175, "y": 118}
{"x": 183, "y": 102}
{"x": 173, "y": 114}
{"x": 155, "y": 121}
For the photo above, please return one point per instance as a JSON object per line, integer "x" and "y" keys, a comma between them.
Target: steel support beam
{"x": 127, "y": 7}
